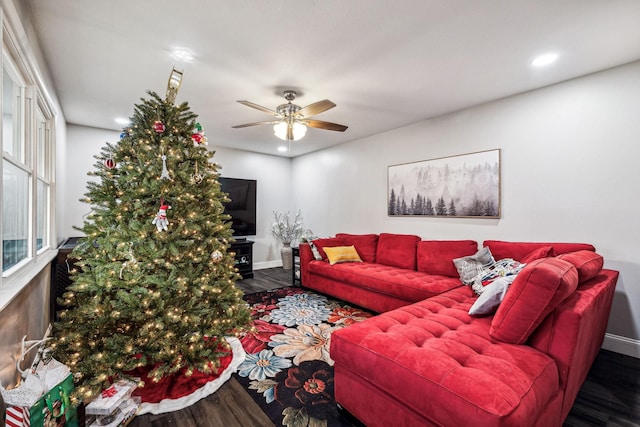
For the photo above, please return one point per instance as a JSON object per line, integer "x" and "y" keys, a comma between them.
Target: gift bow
{"x": 110, "y": 392}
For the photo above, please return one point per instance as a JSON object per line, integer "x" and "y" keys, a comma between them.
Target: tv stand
{"x": 243, "y": 250}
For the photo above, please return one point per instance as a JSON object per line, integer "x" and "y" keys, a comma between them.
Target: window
{"x": 43, "y": 197}
{"x": 27, "y": 167}
{"x": 16, "y": 174}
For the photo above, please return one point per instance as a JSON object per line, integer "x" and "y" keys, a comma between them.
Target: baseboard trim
{"x": 267, "y": 264}
{"x": 622, "y": 345}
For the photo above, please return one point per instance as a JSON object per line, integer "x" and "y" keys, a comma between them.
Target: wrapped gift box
{"x": 111, "y": 398}
{"x": 120, "y": 418}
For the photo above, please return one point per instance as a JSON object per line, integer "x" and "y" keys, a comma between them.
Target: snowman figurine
{"x": 160, "y": 220}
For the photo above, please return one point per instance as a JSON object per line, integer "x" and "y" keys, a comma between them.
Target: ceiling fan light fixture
{"x": 280, "y": 130}
{"x": 291, "y": 121}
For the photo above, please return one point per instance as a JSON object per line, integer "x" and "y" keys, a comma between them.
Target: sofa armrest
{"x": 306, "y": 256}
{"x": 573, "y": 333}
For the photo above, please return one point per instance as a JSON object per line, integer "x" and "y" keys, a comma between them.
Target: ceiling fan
{"x": 291, "y": 121}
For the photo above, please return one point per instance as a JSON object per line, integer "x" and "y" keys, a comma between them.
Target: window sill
{"x": 11, "y": 286}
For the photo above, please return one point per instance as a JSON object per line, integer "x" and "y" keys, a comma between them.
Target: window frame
{"x": 35, "y": 104}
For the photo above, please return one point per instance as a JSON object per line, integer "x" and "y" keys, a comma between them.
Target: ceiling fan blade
{"x": 315, "y": 108}
{"x": 324, "y": 125}
{"x": 259, "y": 107}
{"x": 267, "y": 122}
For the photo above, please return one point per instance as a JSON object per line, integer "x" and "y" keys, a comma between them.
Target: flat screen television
{"x": 242, "y": 207}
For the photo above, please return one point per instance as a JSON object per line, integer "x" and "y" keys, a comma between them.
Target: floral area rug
{"x": 288, "y": 369}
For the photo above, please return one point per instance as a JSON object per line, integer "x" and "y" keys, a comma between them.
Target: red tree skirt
{"x": 179, "y": 390}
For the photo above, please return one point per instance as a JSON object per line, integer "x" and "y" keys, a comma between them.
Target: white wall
{"x": 272, "y": 173}
{"x": 81, "y": 145}
{"x": 570, "y": 155}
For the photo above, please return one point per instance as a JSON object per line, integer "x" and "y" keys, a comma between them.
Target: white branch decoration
{"x": 285, "y": 228}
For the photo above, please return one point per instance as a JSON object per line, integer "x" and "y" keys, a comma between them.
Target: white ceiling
{"x": 385, "y": 63}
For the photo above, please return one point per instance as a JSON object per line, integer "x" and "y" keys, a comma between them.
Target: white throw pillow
{"x": 492, "y": 296}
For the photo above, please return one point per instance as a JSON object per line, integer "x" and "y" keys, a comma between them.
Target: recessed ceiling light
{"x": 183, "y": 54}
{"x": 122, "y": 121}
{"x": 282, "y": 148}
{"x": 545, "y": 59}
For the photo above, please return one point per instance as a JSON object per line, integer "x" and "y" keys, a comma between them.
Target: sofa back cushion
{"x": 397, "y": 250}
{"x": 436, "y": 256}
{"x": 365, "y": 244}
{"x": 325, "y": 242}
{"x": 588, "y": 263}
{"x": 537, "y": 290}
{"x": 541, "y": 252}
{"x": 519, "y": 250}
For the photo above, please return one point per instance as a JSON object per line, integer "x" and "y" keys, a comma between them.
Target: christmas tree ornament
{"x": 110, "y": 163}
{"x": 165, "y": 171}
{"x": 197, "y": 176}
{"x": 161, "y": 222}
{"x": 198, "y": 136}
{"x": 216, "y": 256}
{"x": 131, "y": 261}
{"x": 158, "y": 126}
{"x": 173, "y": 86}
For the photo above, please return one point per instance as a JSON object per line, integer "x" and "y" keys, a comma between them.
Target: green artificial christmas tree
{"x": 156, "y": 283}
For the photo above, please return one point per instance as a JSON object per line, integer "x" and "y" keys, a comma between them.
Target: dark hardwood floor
{"x": 266, "y": 280}
{"x": 610, "y": 395}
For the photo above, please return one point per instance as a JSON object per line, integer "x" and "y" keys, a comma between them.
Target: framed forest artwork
{"x": 463, "y": 186}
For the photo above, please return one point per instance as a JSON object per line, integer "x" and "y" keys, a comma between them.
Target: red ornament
{"x": 158, "y": 126}
{"x": 110, "y": 163}
{"x": 197, "y": 138}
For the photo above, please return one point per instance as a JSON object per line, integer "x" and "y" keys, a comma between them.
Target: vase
{"x": 287, "y": 256}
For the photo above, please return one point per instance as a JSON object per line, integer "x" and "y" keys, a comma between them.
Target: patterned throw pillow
{"x": 470, "y": 266}
{"x": 340, "y": 254}
{"x": 502, "y": 268}
{"x": 316, "y": 253}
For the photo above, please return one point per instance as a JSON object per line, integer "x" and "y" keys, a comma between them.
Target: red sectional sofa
{"x": 425, "y": 361}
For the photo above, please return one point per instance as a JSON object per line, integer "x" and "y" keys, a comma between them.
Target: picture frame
{"x": 461, "y": 186}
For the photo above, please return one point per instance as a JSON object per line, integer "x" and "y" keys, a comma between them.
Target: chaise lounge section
{"x": 426, "y": 361}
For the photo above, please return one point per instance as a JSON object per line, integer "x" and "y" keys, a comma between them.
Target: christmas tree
{"x": 156, "y": 284}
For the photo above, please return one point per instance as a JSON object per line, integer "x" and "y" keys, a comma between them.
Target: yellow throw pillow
{"x": 342, "y": 254}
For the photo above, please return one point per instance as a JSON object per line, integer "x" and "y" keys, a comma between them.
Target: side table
{"x": 296, "y": 275}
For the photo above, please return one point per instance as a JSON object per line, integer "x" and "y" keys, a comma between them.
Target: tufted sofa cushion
{"x": 436, "y": 256}
{"x": 442, "y": 364}
{"x": 408, "y": 285}
{"x": 366, "y": 244}
{"x": 397, "y": 250}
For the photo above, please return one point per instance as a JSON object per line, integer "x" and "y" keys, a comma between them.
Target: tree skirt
{"x": 179, "y": 390}
{"x": 288, "y": 370}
